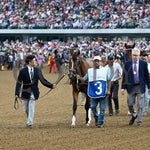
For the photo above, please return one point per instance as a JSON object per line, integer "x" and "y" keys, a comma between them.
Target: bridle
{"x": 74, "y": 68}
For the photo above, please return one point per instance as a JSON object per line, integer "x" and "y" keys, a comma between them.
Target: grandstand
{"x": 78, "y": 20}
{"x": 29, "y": 35}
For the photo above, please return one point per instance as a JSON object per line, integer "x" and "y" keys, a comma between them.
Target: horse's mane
{"x": 86, "y": 64}
{"x": 89, "y": 61}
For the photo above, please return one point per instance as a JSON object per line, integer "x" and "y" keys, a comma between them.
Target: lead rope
{"x": 16, "y": 103}
{"x": 77, "y": 85}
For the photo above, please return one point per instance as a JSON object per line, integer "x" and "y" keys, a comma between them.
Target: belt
{"x": 114, "y": 82}
{"x": 135, "y": 84}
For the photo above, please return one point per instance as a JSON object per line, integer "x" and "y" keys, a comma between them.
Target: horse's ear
{"x": 78, "y": 52}
{"x": 133, "y": 45}
{"x": 126, "y": 46}
{"x": 129, "y": 46}
{"x": 71, "y": 51}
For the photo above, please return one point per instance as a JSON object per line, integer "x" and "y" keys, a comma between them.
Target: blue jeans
{"x": 102, "y": 104}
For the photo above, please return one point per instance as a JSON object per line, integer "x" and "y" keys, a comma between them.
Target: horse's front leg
{"x": 75, "y": 100}
{"x": 88, "y": 111}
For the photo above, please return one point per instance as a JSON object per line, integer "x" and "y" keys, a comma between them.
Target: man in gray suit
{"x": 134, "y": 77}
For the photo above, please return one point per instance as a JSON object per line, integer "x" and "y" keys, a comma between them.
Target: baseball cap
{"x": 97, "y": 58}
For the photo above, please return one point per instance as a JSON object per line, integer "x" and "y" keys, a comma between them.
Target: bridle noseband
{"x": 75, "y": 69}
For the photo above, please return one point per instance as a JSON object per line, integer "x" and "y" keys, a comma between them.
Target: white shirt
{"x": 29, "y": 70}
{"x": 137, "y": 66}
{"x": 114, "y": 71}
{"x": 148, "y": 67}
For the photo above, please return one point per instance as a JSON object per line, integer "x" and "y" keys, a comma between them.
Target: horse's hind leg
{"x": 75, "y": 99}
{"x": 88, "y": 111}
{"x": 74, "y": 112}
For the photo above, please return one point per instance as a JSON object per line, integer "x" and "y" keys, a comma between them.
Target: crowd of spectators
{"x": 16, "y": 51}
{"x": 74, "y": 14}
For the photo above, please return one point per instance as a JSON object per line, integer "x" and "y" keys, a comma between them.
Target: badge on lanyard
{"x": 134, "y": 72}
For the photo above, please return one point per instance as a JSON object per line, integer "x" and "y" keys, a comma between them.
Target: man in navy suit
{"x": 134, "y": 77}
{"x": 29, "y": 76}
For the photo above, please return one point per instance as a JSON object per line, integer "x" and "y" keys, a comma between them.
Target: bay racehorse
{"x": 128, "y": 51}
{"x": 79, "y": 65}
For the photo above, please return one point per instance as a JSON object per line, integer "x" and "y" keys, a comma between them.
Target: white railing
{"x": 75, "y": 31}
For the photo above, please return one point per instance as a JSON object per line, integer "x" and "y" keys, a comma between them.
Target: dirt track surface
{"x": 52, "y": 123}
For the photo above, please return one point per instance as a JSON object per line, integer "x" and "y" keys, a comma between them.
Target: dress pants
{"x": 146, "y": 101}
{"x": 136, "y": 92}
{"x": 114, "y": 95}
{"x": 29, "y": 106}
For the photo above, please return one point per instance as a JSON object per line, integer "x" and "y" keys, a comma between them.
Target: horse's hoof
{"x": 72, "y": 125}
{"x": 87, "y": 124}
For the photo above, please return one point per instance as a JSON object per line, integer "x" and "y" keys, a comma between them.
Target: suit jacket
{"x": 29, "y": 86}
{"x": 128, "y": 77}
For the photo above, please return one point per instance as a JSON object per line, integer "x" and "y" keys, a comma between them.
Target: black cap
{"x": 110, "y": 57}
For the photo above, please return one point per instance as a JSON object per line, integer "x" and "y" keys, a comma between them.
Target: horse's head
{"x": 74, "y": 64}
{"x": 128, "y": 51}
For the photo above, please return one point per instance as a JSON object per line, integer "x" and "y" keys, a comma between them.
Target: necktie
{"x": 31, "y": 73}
{"x": 135, "y": 73}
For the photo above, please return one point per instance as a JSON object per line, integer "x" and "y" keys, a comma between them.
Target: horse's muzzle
{"x": 72, "y": 74}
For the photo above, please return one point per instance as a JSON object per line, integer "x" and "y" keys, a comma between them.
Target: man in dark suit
{"x": 29, "y": 76}
{"x": 134, "y": 77}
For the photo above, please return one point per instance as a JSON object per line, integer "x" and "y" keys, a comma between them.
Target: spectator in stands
{"x": 74, "y": 14}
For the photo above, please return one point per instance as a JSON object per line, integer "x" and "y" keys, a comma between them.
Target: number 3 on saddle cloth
{"x": 97, "y": 86}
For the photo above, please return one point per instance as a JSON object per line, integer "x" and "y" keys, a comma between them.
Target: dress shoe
{"x": 96, "y": 121}
{"x": 139, "y": 124}
{"x": 110, "y": 114}
{"x": 132, "y": 120}
{"x": 29, "y": 126}
{"x": 117, "y": 111}
{"x": 144, "y": 114}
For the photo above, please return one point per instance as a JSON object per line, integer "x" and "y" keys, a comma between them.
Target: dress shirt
{"x": 137, "y": 66}
{"x": 148, "y": 67}
{"x": 29, "y": 70}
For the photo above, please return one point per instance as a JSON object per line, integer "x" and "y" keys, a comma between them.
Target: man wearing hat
{"x": 116, "y": 73}
{"x": 98, "y": 88}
